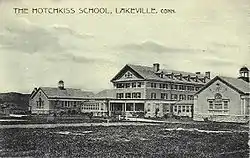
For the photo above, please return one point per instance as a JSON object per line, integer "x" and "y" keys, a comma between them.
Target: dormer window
{"x": 161, "y": 75}
{"x": 196, "y": 79}
{"x": 180, "y": 77}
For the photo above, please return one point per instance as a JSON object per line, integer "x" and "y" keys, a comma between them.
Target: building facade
{"x": 154, "y": 92}
{"x": 224, "y": 99}
{"x": 60, "y": 100}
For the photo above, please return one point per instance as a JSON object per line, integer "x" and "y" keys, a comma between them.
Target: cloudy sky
{"x": 86, "y": 51}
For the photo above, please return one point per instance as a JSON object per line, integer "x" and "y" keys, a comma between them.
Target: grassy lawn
{"x": 127, "y": 141}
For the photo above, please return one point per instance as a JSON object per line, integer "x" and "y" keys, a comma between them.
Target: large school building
{"x": 155, "y": 91}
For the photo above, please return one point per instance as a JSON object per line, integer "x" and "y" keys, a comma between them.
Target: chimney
{"x": 197, "y": 73}
{"x": 156, "y": 67}
{"x": 207, "y": 74}
{"x": 180, "y": 77}
{"x": 61, "y": 85}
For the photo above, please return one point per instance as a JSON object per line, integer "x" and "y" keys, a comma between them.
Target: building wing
{"x": 52, "y": 92}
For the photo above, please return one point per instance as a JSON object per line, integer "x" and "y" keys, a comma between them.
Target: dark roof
{"x": 52, "y": 92}
{"x": 148, "y": 73}
{"x": 107, "y": 93}
{"x": 239, "y": 85}
{"x": 244, "y": 68}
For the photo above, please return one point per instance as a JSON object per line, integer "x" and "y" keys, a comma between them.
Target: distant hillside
{"x": 15, "y": 100}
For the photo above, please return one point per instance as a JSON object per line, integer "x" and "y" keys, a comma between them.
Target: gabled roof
{"x": 239, "y": 85}
{"x": 52, "y": 92}
{"x": 145, "y": 71}
{"x": 148, "y": 73}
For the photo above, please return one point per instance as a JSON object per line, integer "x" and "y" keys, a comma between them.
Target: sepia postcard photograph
{"x": 125, "y": 78}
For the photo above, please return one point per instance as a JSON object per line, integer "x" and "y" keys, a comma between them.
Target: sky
{"x": 86, "y": 51}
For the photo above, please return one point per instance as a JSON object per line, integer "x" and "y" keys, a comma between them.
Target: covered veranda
{"x": 125, "y": 107}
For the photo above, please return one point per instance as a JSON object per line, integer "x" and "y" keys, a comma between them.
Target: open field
{"x": 165, "y": 140}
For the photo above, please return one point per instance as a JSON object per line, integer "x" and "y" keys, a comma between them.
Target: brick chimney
{"x": 207, "y": 74}
{"x": 156, "y": 67}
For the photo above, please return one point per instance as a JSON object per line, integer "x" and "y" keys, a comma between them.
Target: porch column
{"x": 123, "y": 107}
{"x": 109, "y": 109}
{"x": 134, "y": 107}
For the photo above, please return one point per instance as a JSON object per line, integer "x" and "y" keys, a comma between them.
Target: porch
{"x": 126, "y": 108}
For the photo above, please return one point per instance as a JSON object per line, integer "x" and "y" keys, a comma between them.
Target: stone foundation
{"x": 221, "y": 118}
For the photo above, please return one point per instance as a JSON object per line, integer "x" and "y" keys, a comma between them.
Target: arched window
{"x": 218, "y": 103}
{"x": 217, "y": 96}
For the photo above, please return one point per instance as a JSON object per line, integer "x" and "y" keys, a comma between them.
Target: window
{"x": 181, "y": 96}
{"x": 181, "y": 87}
{"x": 139, "y": 84}
{"x": 153, "y": 85}
{"x": 164, "y": 96}
{"x": 40, "y": 103}
{"x": 211, "y": 105}
{"x": 187, "y": 108}
{"x": 183, "y": 108}
{"x": 153, "y": 95}
{"x": 119, "y": 85}
{"x": 176, "y": 87}
{"x": 184, "y": 97}
{"x": 128, "y": 95}
{"x": 197, "y": 88}
{"x": 189, "y": 97}
{"x": 225, "y": 104}
{"x": 218, "y": 103}
{"x": 217, "y": 96}
{"x": 119, "y": 95}
{"x": 133, "y": 84}
{"x": 161, "y": 85}
{"x": 127, "y": 85}
{"x": 136, "y": 95}
{"x": 174, "y": 96}
{"x": 129, "y": 107}
{"x": 165, "y": 86}
{"x": 190, "y": 88}
{"x": 139, "y": 106}
{"x": 161, "y": 75}
{"x": 175, "y": 108}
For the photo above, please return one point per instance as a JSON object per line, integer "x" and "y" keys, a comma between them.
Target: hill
{"x": 13, "y": 100}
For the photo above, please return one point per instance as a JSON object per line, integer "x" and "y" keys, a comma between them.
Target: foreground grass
{"x": 126, "y": 141}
